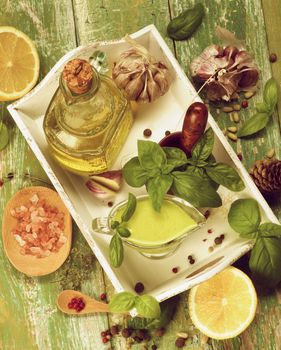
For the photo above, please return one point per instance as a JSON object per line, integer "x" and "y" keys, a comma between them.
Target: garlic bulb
{"x": 225, "y": 71}
{"x": 140, "y": 75}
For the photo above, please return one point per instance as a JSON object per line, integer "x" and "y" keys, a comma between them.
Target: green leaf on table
{"x": 130, "y": 208}
{"x": 175, "y": 157}
{"x": 134, "y": 174}
{"x": 116, "y": 251}
{"x": 256, "y": 123}
{"x": 4, "y": 136}
{"x": 270, "y": 93}
{"x": 195, "y": 190}
{"x": 122, "y": 302}
{"x": 168, "y": 309}
{"x": 265, "y": 261}
{"x": 226, "y": 176}
{"x": 157, "y": 188}
{"x": 147, "y": 306}
{"x": 244, "y": 217}
{"x": 270, "y": 230}
{"x": 151, "y": 155}
{"x": 204, "y": 147}
{"x": 200, "y": 172}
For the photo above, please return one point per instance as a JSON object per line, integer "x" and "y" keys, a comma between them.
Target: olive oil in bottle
{"x": 87, "y": 121}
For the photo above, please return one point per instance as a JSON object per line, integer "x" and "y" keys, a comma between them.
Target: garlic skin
{"x": 142, "y": 78}
{"x": 225, "y": 71}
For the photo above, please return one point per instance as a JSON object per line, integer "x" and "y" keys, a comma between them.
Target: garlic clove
{"x": 111, "y": 179}
{"x": 99, "y": 191}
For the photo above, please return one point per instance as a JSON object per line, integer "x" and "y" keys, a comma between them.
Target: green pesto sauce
{"x": 149, "y": 227}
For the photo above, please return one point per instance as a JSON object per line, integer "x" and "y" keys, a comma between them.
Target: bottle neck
{"x": 71, "y": 97}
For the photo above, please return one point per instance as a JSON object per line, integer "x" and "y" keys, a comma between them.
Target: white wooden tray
{"x": 165, "y": 114}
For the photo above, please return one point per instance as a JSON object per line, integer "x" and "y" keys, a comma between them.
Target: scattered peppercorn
{"x": 218, "y": 240}
{"x": 147, "y": 133}
{"x": 205, "y": 239}
{"x": 108, "y": 332}
{"x": 154, "y": 347}
{"x": 104, "y": 340}
{"x": 137, "y": 339}
{"x": 160, "y": 332}
{"x": 222, "y": 236}
{"x": 191, "y": 261}
{"x": 210, "y": 249}
{"x": 189, "y": 257}
{"x": 126, "y": 332}
{"x": 103, "y": 334}
{"x": 167, "y": 133}
{"x": 244, "y": 104}
{"x": 210, "y": 230}
{"x": 141, "y": 333}
{"x": 180, "y": 342}
{"x": 175, "y": 269}
{"x": 273, "y": 57}
{"x": 139, "y": 287}
{"x": 1, "y": 183}
{"x": 114, "y": 330}
{"x": 110, "y": 204}
{"x": 103, "y": 296}
{"x": 240, "y": 157}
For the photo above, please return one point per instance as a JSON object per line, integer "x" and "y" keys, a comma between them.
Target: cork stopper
{"x": 78, "y": 75}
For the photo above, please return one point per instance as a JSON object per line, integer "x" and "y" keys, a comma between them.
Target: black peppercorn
{"x": 273, "y": 57}
{"x": 137, "y": 339}
{"x": 180, "y": 342}
{"x": 126, "y": 332}
{"x": 147, "y": 132}
{"x": 167, "y": 133}
{"x": 114, "y": 330}
{"x": 218, "y": 240}
{"x": 139, "y": 287}
{"x": 140, "y": 333}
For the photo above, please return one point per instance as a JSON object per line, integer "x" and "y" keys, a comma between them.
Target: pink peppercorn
{"x": 244, "y": 104}
{"x": 103, "y": 296}
{"x": 210, "y": 230}
{"x": 175, "y": 269}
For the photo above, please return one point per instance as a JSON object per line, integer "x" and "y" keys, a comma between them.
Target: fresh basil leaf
{"x": 168, "y": 309}
{"x": 4, "y": 136}
{"x": 244, "y": 216}
{"x": 204, "y": 147}
{"x": 195, "y": 190}
{"x": 123, "y": 231}
{"x": 254, "y": 124}
{"x": 157, "y": 188}
{"x": 270, "y": 93}
{"x": 175, "y": 156}
{"x": 115, "y": 224}
{"x": 264, "y": 108}
{"x": 147, "y": 306}
{"x": 151, "y": 155}
{"x": 116, "y": 251}
{"x": 211, "y": 159}
{"x": 200, "y": 172}
{"x": 122, "y": 302}
{"x": 269, "y": 229}
{"x": 226, "y": 176}
{"x": 134, "y": 174}
{"x": 130, "y": 208}
{"x": 265, "y": 262}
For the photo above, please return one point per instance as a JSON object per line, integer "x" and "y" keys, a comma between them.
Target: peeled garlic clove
{"x": 111, "y": 179}
{"x": 99, "y": 191}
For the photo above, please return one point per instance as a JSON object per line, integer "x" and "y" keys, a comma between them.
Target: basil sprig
{"x": 146, "y": 305}
{"x": 194, "y": 179}
{"x": 265, "y": 261}
{"x": 264, "y": 110}
{"x": 4, "y": 135}
{"x": 116, "y": 250}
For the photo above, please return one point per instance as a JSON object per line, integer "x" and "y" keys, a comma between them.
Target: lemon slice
{"x": 225, "y": 305}
{"x": 19, "y": 64}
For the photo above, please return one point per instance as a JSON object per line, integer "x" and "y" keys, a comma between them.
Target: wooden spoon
{"x": 91, "y": 305}
{"x": 29, "y": 264}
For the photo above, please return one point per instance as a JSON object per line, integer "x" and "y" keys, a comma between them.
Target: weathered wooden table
{"x": 28, "y": 316}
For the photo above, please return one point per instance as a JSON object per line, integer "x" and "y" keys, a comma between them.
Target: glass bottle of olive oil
{"x": 87, "y": 121}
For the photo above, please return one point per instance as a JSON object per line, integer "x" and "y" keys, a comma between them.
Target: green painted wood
{"x": 28, "y": 316}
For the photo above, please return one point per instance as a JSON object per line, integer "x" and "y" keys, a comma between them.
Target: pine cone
{"x": 266, "y": 174}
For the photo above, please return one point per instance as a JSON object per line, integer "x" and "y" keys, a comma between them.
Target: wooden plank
{"x": 272, "y": 16}
{"x": 29, "y": 318}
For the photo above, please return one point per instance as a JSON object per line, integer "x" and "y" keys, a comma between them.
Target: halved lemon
{"x": 223, "y": 306}
{"x": 19, "y": 64}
